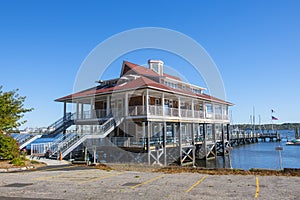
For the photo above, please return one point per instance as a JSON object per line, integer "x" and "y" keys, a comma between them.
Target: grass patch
{"x": 103, "y": 167}
{"x": 18, "y": 161}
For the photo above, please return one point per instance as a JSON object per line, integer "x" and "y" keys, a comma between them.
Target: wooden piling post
{"x": 165, "y": 142}
{"x": 204, "y": 143}
{"x": 180, "y": 143}
{"x": 193, "y": 143}
{"x": 148, "y": 141}
{"x": 223, "y": 141}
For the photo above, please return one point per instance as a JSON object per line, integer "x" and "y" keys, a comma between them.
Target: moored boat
{"x": 294, "y": 142}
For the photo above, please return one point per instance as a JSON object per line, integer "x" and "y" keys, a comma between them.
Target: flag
{"x": 274, "y": 118}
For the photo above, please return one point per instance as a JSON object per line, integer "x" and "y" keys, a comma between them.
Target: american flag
{"x": 274, "y": 118}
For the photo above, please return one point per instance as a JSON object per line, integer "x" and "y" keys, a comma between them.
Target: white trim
{"x": 155, "y": 88}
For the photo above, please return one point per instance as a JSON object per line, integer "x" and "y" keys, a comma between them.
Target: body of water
{"x": 264, "y": 154}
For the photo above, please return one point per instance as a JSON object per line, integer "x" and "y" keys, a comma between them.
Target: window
{"x": 197, "y": 91}
{"x": 171, "y": 103}
{"x": 156, "y": 101}
{"x": 208, "y": 108}
{"x": 172, "y": 85}
{"x": 155, "y": 67}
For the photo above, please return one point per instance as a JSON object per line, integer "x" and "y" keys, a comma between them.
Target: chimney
{"x": 157, "y": 66}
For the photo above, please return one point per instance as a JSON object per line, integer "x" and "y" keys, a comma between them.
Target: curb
{"x": 16, "y": 169}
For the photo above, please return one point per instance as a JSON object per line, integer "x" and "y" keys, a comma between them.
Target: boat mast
{"x": 253, "y": 120}
{"x": 259, "y": 123}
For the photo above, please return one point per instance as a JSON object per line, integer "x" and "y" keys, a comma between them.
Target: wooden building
{"x": 147, "y": 116}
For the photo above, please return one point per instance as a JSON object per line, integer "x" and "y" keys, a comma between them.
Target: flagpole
{"x": 272, "y": 120}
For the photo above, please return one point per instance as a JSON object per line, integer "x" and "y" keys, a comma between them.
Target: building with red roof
{"x": 147, "y": 116}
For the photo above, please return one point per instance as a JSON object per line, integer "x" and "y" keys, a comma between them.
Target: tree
{"x": 11, "y": 110}
{"x": 9, "y": 148}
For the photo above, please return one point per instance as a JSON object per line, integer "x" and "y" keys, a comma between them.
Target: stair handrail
{"x": 66, "y": 144}
{"x": 69, "y": 116}
{"x": 55, "y": 145}
{"x": 26, "y": 138}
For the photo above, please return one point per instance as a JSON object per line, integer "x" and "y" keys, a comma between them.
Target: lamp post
{"x": 279, "y": 149}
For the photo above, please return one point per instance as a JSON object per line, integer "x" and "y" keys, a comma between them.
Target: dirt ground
{"x": 169, "y": 170}
{"x": 178, "y": 169}
{"x": 140, "y": 182}
{"x": 6, "y": 164}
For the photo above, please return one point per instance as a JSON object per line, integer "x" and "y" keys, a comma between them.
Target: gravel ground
{"x": 79, "y": 182}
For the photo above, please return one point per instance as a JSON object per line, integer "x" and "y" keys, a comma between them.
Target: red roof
{"x": 140, "y": 82}
{"x": 143, "y": 70}
{"x": 134, "y": 84}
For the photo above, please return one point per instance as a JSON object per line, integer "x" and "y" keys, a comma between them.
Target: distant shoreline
{"x": 283, "y": 126}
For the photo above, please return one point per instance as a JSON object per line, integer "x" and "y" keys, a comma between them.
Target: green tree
{"x": 11, "y": 110}
{"x": 9, "y": 148}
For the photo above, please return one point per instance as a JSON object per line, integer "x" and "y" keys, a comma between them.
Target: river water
{"x": 264, "y": 154}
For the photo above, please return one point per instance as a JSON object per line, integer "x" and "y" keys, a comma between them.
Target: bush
{"x": 9, "y": 148}
{"x": 18, "y": 161}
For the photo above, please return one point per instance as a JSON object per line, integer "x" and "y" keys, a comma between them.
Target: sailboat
{"x": 295, "y": 141}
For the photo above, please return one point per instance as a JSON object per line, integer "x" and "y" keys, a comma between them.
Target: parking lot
{"x": 79, "y": 182}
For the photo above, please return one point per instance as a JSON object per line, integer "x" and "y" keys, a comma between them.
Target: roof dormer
{"x": 157, "y": 66}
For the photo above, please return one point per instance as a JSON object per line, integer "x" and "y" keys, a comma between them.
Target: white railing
{"x": 153, "y": 110}
{"x": 92, "y": 114}
{"x": 100, "y": 113}
{"x": 171, "y": 112}
{"x": 218, "y": 116}
{"x": 136, "y": 110}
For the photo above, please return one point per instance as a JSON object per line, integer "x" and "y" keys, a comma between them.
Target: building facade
{"x": 147, "y": 116}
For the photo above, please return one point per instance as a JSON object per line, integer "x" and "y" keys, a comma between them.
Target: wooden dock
{"x": 241, "y": 138}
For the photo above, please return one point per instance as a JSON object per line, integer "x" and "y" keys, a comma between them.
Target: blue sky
{"x": 255, "y": 45}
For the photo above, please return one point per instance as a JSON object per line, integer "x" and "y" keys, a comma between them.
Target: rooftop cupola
{"x": 157, "y": 66}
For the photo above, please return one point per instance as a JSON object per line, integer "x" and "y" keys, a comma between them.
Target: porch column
{"x": 65, "y": 114}
{"x": 81, "y": 108}
{"x": 126, "y": 104}
{"x": 77, "y": 110}
{"x": 179, "y": 109}
{"x": 143, "y": 103}
{"x": 204, "y": 110}
{"x": 165, "y": 143}
{"x": 147, "y": 102}
{"x": 65, "y": 109}
{"x": 107, "y": 105}
{"x": 193, "y": 114}
{"x": 174, "y": 133}
{"x": 163, "y": 103}
{"x": 222, "y": 108}
{"x": 92, "y": 108}
{"x": 77, "y": 114}
{"x": 213, "y": 111}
